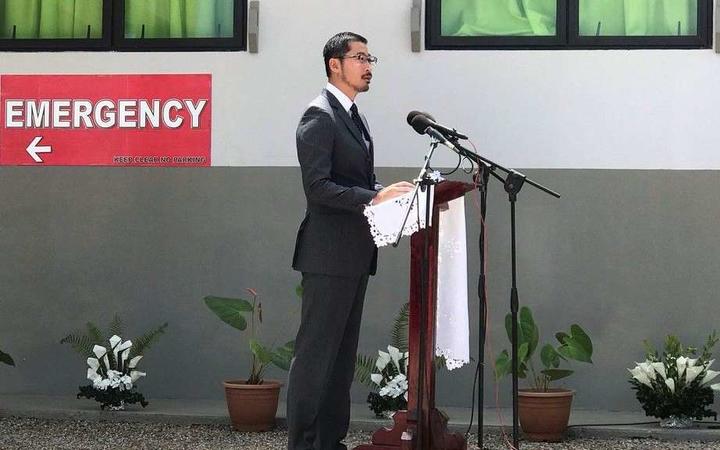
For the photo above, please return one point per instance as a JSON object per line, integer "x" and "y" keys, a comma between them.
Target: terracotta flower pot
{"x": 252, "y": 407}
{"x": 544, "y": 415}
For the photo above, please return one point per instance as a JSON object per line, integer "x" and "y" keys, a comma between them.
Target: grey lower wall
{"x": 629, "y": 255}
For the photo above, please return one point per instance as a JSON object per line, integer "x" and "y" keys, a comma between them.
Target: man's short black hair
{"x": 338, "y": 45}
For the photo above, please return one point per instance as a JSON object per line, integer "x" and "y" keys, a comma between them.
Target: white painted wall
{"x": 646, "y": 109}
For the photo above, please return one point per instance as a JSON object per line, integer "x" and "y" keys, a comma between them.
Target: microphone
{"x": 412, "y": 114}
{"x": 447, "y": 131}
{"x": 423, "y": 125}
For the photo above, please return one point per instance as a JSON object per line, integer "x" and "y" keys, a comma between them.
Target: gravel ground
{"x": 25, "y": 433}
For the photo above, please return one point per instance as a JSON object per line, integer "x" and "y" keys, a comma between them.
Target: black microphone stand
{"x": 425, "y": 182}
{"x": 481, "y": 181}
{"x": 513, "y": 183}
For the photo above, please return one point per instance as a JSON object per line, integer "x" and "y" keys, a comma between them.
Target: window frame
{"x": 435, "y": 41}
{"x": 701, "y": 40}
{"x": 236, "y": 43}
{"x": 568, "y": 36}
{"x": 59, "y": 45}
{"x": 114, "y": 31}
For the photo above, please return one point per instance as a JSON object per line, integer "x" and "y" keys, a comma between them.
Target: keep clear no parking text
{"x": 150, "y": 160}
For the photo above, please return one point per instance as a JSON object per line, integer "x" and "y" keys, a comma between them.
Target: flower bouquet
{"x": 392, "y": 380}
{"x": 113, "y": 371}
{"x": 113, "y": 376}
{"x": 675, "y": 387}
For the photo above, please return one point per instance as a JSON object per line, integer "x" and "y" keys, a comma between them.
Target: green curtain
{"x": 498, "y": 17}
{"x": 537, "y": 17}
{"x": 178, "y": 18}
{"x": 51, "y": 19}
{"x": 638, "y": 17}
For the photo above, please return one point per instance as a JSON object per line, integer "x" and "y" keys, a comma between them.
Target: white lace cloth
{"x": 385, "y": 219}
{"x": 452, "y": 330}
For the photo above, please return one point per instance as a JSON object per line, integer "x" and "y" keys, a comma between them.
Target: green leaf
{"x": 230, "y": 310}
{"x": 7, "y": 359}
{"x": 649, "y": 349}
{"x": 144, "y": 342}
{"x": 529, "y": 330}
{"x": 263, "y": 354}
{"x": 116, "y": 326}
{"x": 440, "y": 362}
{"x": 577, "y": 346}
{"x": 523, "y": 352}
{"x": 399, "y": 334}
{"x": 573, "y": 352}
{"x": 282, "y": 356}
{"x": 556, "y": 374}
{"x": 549, "y": 356}
{"x": 364, "y": 367}
{"x": 502, "y": 365}
{"x": 581, "y": 339}
{"x": 522, "y": 370}
{"x": 94, "y": 333}
{"x": 560, "y": 336}
{"x": 79, "y": 342}
{"x": 508, "y": 326}
{"x": 281, "y": 359}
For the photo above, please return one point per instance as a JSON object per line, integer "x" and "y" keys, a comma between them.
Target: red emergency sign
{"x": 120, "y": 120}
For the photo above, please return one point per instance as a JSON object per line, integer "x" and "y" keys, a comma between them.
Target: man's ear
{"x": 334, "y": 64}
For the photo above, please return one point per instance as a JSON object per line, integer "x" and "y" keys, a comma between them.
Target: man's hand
{"x": 393, "y": 191}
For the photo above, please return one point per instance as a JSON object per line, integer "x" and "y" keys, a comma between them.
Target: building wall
{"x": 629, "y": 254}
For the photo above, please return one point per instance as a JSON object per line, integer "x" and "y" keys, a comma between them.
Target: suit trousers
{"x": 322, "y": 371}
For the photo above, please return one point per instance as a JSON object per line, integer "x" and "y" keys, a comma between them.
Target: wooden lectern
{"x": 428, "y": 430}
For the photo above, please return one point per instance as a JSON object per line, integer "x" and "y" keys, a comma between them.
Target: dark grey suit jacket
{"x": 339, "y": 180}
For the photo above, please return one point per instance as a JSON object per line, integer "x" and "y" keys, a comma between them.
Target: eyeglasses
{"x": 362, "y": 58}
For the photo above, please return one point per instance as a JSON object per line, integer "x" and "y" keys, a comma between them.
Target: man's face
{"x": 353, "y": 73}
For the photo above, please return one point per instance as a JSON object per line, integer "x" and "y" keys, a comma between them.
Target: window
{"x": 169, "y": 25}
{"x": 524, "y": 24}
{"x": 173, "y": 25}
{"x": 56, "y": 25}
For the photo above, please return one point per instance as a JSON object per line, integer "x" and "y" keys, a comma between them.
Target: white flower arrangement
{"x": 686, "y": 371}
{"x": 392, "y": 380}
{"x": 116, "y": 374}
{"x": 113, "y": 376}
{"x": 675, "y": 385}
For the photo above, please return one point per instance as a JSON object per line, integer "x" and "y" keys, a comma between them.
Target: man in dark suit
{"x": 334, "y": 250}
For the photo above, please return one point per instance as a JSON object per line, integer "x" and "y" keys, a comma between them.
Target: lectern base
{"x": 400, "y": 438}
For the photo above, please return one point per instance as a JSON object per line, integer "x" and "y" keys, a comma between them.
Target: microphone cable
{"x": 477, "y": 201}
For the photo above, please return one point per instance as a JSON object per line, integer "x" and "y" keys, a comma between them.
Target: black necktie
{"x": 358, "y": 122}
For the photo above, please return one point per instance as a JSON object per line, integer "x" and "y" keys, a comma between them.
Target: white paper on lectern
{"x": 452, "y": 328}
{"x": 385, "y": 219}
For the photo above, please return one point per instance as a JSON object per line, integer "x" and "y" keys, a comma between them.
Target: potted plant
{"x": 112, "y": 370}
{"x": 252, "y": 402}
{"x": 675, "y": 387}
{"x": 544, "y": 411}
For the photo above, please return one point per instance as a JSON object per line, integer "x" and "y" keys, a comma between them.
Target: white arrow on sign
{"x": 33, "y": 149}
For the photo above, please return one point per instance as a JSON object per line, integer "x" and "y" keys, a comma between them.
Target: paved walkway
{"x": 68, "y": 419}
